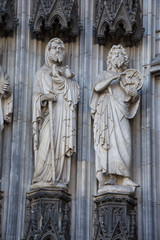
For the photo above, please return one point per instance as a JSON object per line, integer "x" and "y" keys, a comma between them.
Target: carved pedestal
{"x": 115, "y": 217}
{"x": 48, "y": 215}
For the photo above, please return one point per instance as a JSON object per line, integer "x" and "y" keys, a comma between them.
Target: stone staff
{"x": 52, "y": 143}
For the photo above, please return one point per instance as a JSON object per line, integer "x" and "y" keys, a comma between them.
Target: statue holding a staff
{"x": 55, "y": 97}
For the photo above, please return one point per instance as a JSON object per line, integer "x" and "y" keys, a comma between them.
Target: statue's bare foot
{"x": 111, "y": 181}
{"x": 129, "y": 182}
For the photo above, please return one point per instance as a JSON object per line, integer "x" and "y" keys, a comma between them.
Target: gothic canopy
{"x": 8, "y": 20}
{"x": 55, "y": 18}
{"x": 118, "y": 20}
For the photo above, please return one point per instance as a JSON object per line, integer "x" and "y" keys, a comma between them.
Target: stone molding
{"x": 114, "y": 217}
{"x": 47, "y": 214}
{"x": 8, "y": 19}
{"x": 155, "y": 65}
{"x": 56, "y": 18}
{"x": 120, "y": 19}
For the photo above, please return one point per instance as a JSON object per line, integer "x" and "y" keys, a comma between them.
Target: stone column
{"x": 115, "y": 216}
{"x": 1, "y": 211}
{"x": 48, "y": 214}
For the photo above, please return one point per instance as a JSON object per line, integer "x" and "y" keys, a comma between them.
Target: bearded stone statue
{"x": 55, "y": 97}
{"x": 114, "y": 101}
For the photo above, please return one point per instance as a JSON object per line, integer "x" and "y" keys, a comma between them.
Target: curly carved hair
{"x": 109, "y": 58}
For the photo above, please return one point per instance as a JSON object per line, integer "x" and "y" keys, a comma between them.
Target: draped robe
{"x": 63, "y": 123}
{"x": 111, "y": 110}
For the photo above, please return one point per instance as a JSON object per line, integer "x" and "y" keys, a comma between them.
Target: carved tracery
{"x": 118, "y": 20}
{"x": 8, "y": 19}
{"x": 47, "y": 215}
{"x": 55, "y": 18}
{"x": 115, "y": 217}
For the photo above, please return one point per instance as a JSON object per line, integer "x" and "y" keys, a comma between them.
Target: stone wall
{"x": 21, "y": 58}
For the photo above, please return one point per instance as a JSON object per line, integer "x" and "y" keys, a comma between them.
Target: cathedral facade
{"x": 88, "y": 29}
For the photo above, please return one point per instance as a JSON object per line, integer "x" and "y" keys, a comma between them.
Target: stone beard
{"x": 112, "y": 107}
{"x": 55, "y": 97}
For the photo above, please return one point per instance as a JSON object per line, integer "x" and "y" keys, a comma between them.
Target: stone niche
{"x": 55, "y": 18}
{"x": 118, "y": 20}
{"x": 47, "y": 215}
{"x": 115, "y": 217}
{"x": 8, "y": 20}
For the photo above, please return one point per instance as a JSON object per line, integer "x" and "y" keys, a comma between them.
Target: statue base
{"x": 47, "y": 214}
{"x": 115, "y": 216}
{"x": 117, "y": 189}
{"x": 57, "y": 185}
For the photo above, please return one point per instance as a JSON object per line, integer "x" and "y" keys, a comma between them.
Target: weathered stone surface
{"x": 22, "y": 57}
{"x": 56, "y": 18}
{"x": 48, "y": 214}
{"x": 8, "y": 19}
{"x": 6, "y": 99}
{"x": 115, "y": 217}
{"x": 118, "y": 19}
{"x": 114, "y": 101}
{"x": 6, "y": 105}
{"x": 55, "y": 97}
{"x": 155, "y": 65}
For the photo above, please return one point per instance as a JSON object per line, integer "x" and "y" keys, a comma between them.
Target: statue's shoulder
{"x": 40, "y": 73}
{"x": 104, "y": 75}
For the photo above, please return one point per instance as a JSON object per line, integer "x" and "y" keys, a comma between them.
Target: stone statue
{"x": 55, "y": 97}
{"x": 6, "y": 99}
{"x": 114, "y": 101}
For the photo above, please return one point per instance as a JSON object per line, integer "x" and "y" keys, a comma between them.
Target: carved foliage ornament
{"x": 8, "y": 20}
{"x": 57, "y": 18}
{"x": 118, "y": 19}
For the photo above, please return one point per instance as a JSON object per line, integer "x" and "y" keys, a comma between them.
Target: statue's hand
{"x": 104, "y": 81}
{"x": 48, "y": 97}
{"x": 5, "y": 90}
{"x": 115, "y": 76}
{"x": 6, "y": 87}
{"x": 51, "y": 97}
{"x": 8, "y": 118}
{"x": 132, "y": 92}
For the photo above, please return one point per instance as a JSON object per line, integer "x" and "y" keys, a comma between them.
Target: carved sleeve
{"x": 104, "y": 81}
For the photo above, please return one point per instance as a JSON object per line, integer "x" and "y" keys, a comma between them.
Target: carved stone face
{"x": 118, "y": 59}
{"x": 56, "y": 52}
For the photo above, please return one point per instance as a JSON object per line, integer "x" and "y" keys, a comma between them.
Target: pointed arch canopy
{"x": 58, "y": 18}
{"x": 123, "y": 16}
